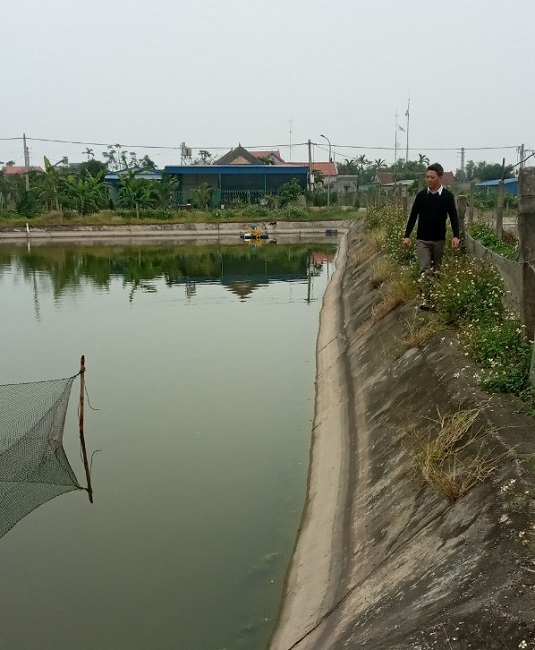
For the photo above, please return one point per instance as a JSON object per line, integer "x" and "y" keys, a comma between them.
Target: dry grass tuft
{"x": 383, "y": 269}
{"x": 443, "y": 459}
{"x": 372, "y": 243}
{"x": 419, "y": 332}
{"x": 376, "y": 238}
{"x": 396, "y": 292}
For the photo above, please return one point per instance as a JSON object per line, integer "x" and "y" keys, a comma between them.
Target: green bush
{"x": 486, "y": 236}
{"x": 5, "y": 213}
{"x": 256, "y": 212}
{"x": 28, "y": 205}
{"x": 502, "y": 349}
{"x": 467, "y": 290}
{"x": 289, "y": 191}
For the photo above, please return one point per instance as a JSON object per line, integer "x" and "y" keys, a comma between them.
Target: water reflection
{"x": 204, "y": 383}
{"x": 242, "y": 270}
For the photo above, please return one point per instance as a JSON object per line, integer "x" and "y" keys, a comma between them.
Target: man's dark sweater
{"x": 431, "y": 211}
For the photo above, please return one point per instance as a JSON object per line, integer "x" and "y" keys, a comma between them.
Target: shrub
{"x": 391, "y": 219}
{"x": 502, "y": 349}
{"x": 289, "y": 191}
{"x": 28, "y": 205}
{"x": 467, "y": 290}
{"x": 255, "y": 212}
{"x": 486, "y": 236}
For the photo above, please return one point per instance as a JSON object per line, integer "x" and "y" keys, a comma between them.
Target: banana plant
{"x": 87, "y": 193}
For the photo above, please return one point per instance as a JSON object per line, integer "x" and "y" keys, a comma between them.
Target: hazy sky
{"x": 218, "y": 73}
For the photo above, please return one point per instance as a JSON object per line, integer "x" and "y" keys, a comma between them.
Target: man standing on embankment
{"x": 431, "y": 207}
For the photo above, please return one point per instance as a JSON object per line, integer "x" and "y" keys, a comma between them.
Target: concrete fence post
{"x": 526, "y": 252}
{"x": 500, "y": 202}
{"x": 405, "y": 204}
{"x": 462, "y": 200}
{"x": 471, "y": 206}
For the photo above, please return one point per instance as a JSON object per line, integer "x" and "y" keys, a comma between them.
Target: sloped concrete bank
{"x": 382, "y": 561}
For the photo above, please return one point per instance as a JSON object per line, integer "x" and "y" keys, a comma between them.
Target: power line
{"x": 257, "y": 146}
{"x": 521, "y": 162}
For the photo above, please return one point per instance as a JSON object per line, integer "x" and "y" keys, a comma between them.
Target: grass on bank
{"x": 252, "y": 213}
{"x": 467, "y": 296}
{"x": 443, "y": 459}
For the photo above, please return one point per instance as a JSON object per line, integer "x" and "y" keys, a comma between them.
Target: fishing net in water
{"x": 33, "y": 464}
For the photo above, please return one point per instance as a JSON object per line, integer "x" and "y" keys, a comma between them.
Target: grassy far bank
{"x": 252, "y": 213}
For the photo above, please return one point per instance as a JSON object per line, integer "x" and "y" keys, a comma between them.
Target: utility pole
{"x": 328, "y": 171}
{"x": 521, "y": 155}
{"x": 462, "y": 163}
{"x": 407, "y": 115}
{"x": 395, "y": 145}
{"x": 310, "y": 172}
{"x": 290, "y": 152}
{"x": 26, "y": 161}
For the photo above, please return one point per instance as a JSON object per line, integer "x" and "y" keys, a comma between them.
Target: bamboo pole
{"x": 81, "y": 428}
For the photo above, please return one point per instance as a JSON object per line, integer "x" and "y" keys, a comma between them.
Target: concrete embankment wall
{"x": 154, "y": 233}
{"x": 382, "y": 560}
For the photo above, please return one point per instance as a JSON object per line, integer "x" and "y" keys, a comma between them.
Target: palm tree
{"x": 379, "y": 163}
{"x": 423, "y": 159}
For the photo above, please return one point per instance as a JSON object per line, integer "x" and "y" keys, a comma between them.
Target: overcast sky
{"x": 265, "y": 74}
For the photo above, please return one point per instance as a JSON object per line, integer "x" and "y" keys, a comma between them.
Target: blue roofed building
{"x": 238, "y": 176}
{"x": 510, "y": 185}
{"x": 248, "y": 183}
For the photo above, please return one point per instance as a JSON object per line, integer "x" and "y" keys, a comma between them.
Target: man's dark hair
{"x": 436, "y": 167}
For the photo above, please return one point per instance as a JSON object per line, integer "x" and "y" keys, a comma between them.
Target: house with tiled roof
{"x": 448, "y": 179}
{"x": 386, "y": 179}
{"x": 238, "y": 156}
{"x": 273, "y": 157}
{"x": 18, "y": 170}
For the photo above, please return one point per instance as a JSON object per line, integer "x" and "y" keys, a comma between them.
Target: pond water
{"x": 201, "y": 363}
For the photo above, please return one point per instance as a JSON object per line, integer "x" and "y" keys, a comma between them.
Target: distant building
{"x": 242, "y": 156}
{"x": 272, "y": 157}
{"x": 510, "y": 184}
{"x": 18, "y": 170}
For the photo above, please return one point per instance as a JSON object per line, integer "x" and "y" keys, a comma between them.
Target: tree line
{"x": 366, "y": 170}
{"x": 80, "y": 188}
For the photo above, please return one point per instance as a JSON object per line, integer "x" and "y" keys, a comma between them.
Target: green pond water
{"x": 201, "y": 363}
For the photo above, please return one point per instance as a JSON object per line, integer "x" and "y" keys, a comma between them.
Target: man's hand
{"x": 407, "y": 241}
{"x": 455, "y": 242}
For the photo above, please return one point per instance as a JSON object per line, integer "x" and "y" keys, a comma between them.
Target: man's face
{"x": 433, "y": 180}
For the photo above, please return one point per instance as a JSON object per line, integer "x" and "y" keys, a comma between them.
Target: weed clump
{"x": 439, "y": 454}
